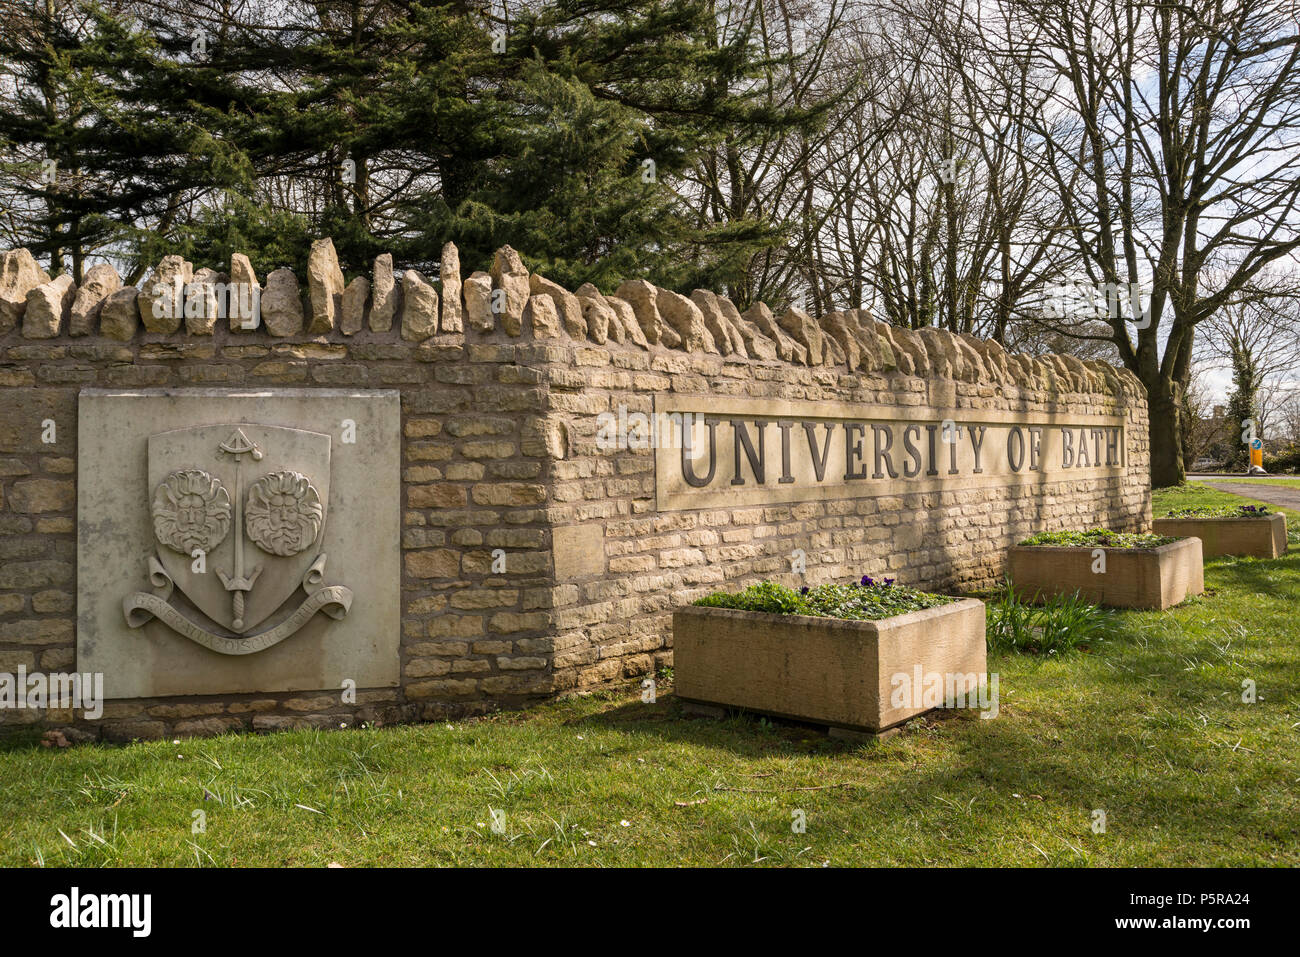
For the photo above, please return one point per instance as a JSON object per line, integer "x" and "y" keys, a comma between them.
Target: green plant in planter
{"x": 1219, "y": 511}
{"x": 770, "y": 597}
{"x": 869, "y": 599}
{"x": 1099, "y": 538}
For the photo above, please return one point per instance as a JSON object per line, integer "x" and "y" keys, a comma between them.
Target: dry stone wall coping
{"x": 638, "y": 315}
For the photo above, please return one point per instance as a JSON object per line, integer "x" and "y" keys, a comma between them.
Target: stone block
{"x": 1155, "y": 578}
{"x": 830, "y": 671}
{"x": 1262, "y": 537}
{"x": 318, "y": 556}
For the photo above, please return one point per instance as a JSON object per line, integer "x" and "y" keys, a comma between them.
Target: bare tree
{"x": 1286, "y": 418}
{"x": 947, "y": 222}
{"x": 1206, "y": 433}
{"x": 1257, "y": 338}
{"x": 1172, "y": 136}
{"x": 780, "y": 177}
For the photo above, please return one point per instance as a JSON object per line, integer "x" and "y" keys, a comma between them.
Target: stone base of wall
{"x": 158, "y": 718}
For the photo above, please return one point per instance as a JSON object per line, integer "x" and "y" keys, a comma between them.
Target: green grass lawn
{"x": 1148, "y": 727}
{"x": 1193, "y": 494}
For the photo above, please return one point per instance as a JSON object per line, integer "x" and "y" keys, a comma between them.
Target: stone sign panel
{"x": 238, "y": 541}
{"x": 743, "y": 452}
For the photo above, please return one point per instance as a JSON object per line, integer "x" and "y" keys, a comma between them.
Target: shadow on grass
{"x": 745, "y": 733}
{"x": 1004, "y": 767}
{"x": 1155, "y": 705}
{"x": 1268, "y": 577}
{"x": 13, "y": 740}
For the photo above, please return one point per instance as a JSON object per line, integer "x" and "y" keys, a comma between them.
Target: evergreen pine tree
{"x": 104, "y": 148}
{"x": 395, "y": 125}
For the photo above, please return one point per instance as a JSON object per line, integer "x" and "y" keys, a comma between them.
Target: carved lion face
{"x": 284, "y": 513}
{"x": 191, "y": 509}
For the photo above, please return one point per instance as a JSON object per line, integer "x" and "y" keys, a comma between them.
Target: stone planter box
{"x": 824, "y": 670}
{"x": 1262, "y": 537}
{"x": 1134, "y": 578}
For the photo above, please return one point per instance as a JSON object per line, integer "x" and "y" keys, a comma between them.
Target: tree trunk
{"x": 1164, "y": 434}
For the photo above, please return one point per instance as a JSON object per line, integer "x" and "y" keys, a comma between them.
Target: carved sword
{"x": 238, "y": 445}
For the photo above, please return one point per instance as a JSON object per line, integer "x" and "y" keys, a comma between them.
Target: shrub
{"x": 1288, "y": 460}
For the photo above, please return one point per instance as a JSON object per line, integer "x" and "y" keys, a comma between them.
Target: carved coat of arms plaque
{"x": 238, "y": 514}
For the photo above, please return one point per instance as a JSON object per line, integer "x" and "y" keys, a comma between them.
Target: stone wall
{"x": 615, "y": 620}
{"x": 502, "y": 379}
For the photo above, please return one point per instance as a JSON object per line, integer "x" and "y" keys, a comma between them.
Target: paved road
{"x": 1273, "y": 494}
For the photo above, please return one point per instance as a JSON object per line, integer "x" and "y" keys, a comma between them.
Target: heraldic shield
{"x": 238, "y": 514}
